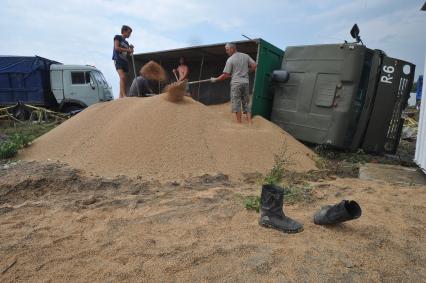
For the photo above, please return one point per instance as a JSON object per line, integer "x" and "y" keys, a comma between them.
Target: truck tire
{"x": 72, "y": 108}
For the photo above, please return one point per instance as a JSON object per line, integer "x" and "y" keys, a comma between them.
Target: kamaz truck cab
{"x": 344, "y": 95}
{"x": 78, "y": 86}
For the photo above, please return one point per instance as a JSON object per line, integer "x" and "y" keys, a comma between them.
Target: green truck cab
{"x": 344, "y": 95}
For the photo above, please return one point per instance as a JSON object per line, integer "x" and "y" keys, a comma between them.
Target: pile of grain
{"x": 153, "y": 71}
{"x": 175, "y": 92}
{"x": 155, "y": 138}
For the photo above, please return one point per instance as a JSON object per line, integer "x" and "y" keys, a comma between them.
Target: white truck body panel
{"x": 420, "y": 155}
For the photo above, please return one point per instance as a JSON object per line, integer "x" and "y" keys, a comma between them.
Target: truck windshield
{"x": 100, "y": 78}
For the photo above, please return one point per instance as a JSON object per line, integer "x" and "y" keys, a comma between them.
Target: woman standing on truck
{"x": 120, "y": 52}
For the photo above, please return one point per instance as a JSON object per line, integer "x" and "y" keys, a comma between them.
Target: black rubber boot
{"x": 341, "y": 212}
{"x": 271, "y": 211}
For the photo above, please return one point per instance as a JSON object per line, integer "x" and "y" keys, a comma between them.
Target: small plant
{"x": 252, "y": 203}
{"x": 293, "y": 194}
{"x": 21, "y": 140}
{"x": 19, "y": 136}
{"x": 277, "y": 173}
{"x": 8, "y": 149}
{"x": 321, "y": 163}
{"x": 10, "y": 146}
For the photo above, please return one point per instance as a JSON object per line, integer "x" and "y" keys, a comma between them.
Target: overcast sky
{"x": 81, "y": 32}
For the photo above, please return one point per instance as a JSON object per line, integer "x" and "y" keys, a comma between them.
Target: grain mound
{"x": 154, "y": 138}
{"x": 153, "y": 71}
{"x": 175, "y": 91}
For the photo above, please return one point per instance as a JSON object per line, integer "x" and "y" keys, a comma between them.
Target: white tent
{"x": 420, "y": 156}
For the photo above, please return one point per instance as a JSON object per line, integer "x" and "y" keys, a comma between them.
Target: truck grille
{"x": 396, "y": 123}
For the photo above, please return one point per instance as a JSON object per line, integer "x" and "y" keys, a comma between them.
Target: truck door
{"x": 102, "y": 84}
{"x": 80, "y": 86}
{"x": 57, "y": 84}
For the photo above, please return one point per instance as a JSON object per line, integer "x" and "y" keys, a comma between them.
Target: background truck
{"x": 42, "y": 82}
{"x": 343, "y": 95}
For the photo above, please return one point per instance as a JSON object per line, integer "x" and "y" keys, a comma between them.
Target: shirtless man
{"x": 182, "y": 72}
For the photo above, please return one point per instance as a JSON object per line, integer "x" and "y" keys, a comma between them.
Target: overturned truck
{"x": 342, "y": 95}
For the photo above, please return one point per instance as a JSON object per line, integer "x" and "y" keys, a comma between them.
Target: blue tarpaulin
{"x": 25, "y": 79}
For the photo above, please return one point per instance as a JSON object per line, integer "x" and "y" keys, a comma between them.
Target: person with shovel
{"x": 182, "y": 71}
{"x": 120, "y": 52}
{"x": 237, "y": 68}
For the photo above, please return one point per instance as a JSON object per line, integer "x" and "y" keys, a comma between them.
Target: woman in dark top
{"x": 122, "y": 49}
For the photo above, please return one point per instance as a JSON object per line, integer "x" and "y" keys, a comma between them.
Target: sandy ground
{"x": 58, "y": 225}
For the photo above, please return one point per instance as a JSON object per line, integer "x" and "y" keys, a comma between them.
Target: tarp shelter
{"x": 25, "y": 78}
{"x": 208, "y": 61}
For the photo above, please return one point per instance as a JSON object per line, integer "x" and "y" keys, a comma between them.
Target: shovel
{"x": 134, "y": 72}
{"x": 200, "y": 81}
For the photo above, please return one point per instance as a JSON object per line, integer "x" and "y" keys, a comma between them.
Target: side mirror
{"x": 92, "y": 84}
{"x": 355, "y": 32}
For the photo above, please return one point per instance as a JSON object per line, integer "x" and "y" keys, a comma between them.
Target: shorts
{"x": 121, "y": 64}
{"x": 240, "y": 97}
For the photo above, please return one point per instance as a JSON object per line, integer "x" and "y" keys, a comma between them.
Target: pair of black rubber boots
{"x": 272, "y": 215}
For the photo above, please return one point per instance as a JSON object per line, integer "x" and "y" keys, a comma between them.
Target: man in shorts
{"x": 238, "y": 67}
{"x": 120, "y": 56}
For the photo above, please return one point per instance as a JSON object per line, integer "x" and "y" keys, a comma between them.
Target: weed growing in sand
{"x": 302, "y": 193}
{"x": 358, "y": 156}
{"x": 252, "y": 203}
{"x": 277, "y": 173}
{"x": 321, "y": 163}
{"x": 292, "y": 194}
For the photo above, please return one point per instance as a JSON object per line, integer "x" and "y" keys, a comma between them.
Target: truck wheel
{"x": 72, "y": 109}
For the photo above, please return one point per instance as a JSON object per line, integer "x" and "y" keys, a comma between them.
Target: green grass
{"x": 298, "y": 193}
{"x": 292, "y": 194}
{"x": 26, "y": 129}
{"x": 252, "y": 203}
{"x": 14, "y": 137}
{"x": 8, "y": 149}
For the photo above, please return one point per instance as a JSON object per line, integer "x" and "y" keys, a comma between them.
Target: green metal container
{"x": 269, "y": 58}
